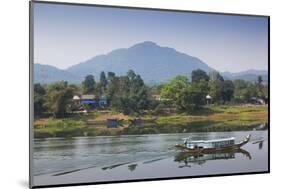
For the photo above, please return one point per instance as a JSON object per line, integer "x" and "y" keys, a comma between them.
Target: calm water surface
{"x": 95, "y": 159}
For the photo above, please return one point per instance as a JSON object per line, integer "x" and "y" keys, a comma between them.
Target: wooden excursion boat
{"x": 209, "y": 146}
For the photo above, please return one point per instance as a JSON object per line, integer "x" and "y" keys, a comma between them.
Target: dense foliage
{"x": 130, "y": 95}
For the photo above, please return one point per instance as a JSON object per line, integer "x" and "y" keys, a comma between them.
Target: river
{"x": 130, "y": 157}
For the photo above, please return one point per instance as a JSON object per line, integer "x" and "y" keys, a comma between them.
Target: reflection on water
{"x": 260, "y": 143}
{"x": 132, "y": 167}
{"x": 186, "y": 160}
{"x": 96, "y": 159}
{"x": 114, "y": 166}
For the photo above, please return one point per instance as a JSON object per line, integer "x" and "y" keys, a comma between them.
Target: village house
{"x": 157, "y": 97}
{"x": 90, "y": 100}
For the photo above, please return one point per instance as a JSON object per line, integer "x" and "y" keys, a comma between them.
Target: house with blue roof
{"x": 90, "y": 100}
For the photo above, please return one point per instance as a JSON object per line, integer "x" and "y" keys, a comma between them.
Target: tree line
{"x": 129, "y": 94}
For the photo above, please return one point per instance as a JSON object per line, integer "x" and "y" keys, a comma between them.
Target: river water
{"x": 130, "y": 157}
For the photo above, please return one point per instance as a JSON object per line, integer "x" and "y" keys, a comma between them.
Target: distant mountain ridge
{"x": 249, "y": 75}
{"x": 48, "y": 74}
{"x": 154, "y": 63}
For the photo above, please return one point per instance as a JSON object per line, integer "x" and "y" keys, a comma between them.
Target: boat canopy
{"x": 209, "y": 141}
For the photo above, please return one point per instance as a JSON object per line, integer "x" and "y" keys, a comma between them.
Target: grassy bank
{"x": 213, "y": 118}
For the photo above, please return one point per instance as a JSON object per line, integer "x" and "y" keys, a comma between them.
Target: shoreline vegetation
{"x": 214, "y": 118}
{"x": 125, "y": 105}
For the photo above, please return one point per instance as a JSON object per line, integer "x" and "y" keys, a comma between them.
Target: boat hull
{"x": 211, "y": 150}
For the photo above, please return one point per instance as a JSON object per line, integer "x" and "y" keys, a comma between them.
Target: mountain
{"x": 152, "y": 62}
{"x": 249, "y": 75}
{"x": 49, "y": 74}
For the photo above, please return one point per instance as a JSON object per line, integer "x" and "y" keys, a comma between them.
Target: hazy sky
{"x": 65, "y": 35}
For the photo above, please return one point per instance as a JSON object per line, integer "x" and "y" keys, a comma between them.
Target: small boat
{"x": 209, "y": 146}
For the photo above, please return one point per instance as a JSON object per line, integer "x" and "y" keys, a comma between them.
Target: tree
{"x": 88, "y": 84}
{"x": 176, "y": 90}
{"x": 216, "y": 86}
{"x": 216, "y": 90}
{"x": 228, "y": 90}
{"x": 260, "y": 80}
{"x": 244, "y": 90}
{"x": 240, "y": 92}
{"x": 194, "y": 97}
{"x": 136, "y": 83}
{"x": 199, "y": 91}
{"x": 174, "y": 87}
{"x": 141, "y": 98}
{"x": 198, "y": 75}
{"x": 101, "y": 86}
{"x": 110, "y": 76}
{"x": 103, "y": 80}
{"x": 129, "y": 93}
{"x": 39, "y": 99}
{"x": 260, "y": 90}
{"x": 215, "y": 76}
{"x": 59, "y": 97}
{"x": 186, "y": 96}
{"x": 265, "y": 90}
{"x": 131, "y": 74}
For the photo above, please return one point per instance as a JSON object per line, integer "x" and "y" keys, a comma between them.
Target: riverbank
{"x": 209, "y": 119}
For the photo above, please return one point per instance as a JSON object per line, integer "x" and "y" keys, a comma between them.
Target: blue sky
{"x": 65, "y": 35}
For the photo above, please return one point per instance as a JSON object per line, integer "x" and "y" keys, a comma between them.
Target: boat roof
{"x": 209, "y": 141}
